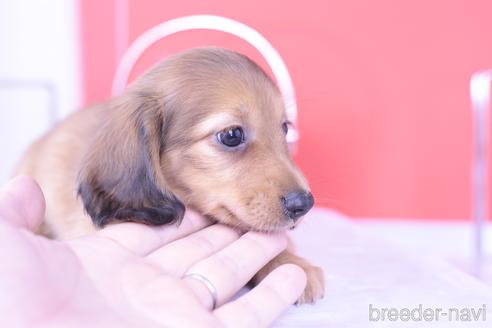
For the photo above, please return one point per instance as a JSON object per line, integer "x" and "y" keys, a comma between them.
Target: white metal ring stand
{"x": 217, "y": 23}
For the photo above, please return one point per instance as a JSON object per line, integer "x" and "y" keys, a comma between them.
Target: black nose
{"x": 297, "y": 203}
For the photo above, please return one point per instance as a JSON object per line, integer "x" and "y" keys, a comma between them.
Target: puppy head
{"x": 205, "y": 128}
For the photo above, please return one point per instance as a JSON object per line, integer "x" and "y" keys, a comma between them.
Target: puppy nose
{"x": 297, "y": 203}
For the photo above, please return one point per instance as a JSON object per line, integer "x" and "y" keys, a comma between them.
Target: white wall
{"x": 39, "y": 71}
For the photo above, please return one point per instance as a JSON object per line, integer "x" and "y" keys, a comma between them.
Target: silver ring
{"x": 207, "y": 283}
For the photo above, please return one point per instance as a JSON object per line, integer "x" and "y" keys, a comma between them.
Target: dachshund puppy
{"x": 205, "y": 129}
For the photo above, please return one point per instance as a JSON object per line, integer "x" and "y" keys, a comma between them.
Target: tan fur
{"x": 315, "y": 288}
{"x": 142, "y": 155}
{"x": 54, "y": 161}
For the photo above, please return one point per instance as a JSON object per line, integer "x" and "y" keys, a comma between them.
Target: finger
{"x": 142, "y": 239}
{"x": 22, "y": 203}
{"x": 177, "y": 257}
{"x": 262, "y": 305}
{"x": 168, "y": 301}
{"x": 231, "y": 268}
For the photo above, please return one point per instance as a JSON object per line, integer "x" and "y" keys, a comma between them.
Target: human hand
{"x": 130, "y": 275}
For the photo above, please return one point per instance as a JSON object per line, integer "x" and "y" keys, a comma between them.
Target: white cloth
{"x": 362, "y": 270}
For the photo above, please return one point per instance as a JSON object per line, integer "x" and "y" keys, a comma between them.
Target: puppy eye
{"x": 231, "y": 137}
{"x": 285, "y": 127}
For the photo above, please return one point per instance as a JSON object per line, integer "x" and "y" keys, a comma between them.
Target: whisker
{"x": 330, "y": 203}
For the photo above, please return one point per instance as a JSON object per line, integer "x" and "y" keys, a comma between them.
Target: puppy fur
{"x": 150, "y": 153}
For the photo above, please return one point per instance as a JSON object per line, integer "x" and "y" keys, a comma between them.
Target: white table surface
{"x": 363, "y": 269}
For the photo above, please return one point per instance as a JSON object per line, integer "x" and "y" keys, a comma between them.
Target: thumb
{"x": 22, "y": 203}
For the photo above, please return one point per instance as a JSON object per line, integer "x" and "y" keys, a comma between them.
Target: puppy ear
{"x": 120, "y": 178}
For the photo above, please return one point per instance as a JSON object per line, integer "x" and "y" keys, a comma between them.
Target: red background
{"x": 382, "y": 89}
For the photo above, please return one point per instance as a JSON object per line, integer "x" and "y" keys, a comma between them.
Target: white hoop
{"x": 480, "y": 83}
{"x": 217, "y": 23}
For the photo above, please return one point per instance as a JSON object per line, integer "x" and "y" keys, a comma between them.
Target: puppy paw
{"x": 315, "y": 285}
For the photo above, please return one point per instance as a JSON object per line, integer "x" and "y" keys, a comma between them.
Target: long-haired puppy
{"x": 204, "y": 130}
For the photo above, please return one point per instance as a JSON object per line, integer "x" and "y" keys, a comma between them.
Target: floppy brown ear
{"x": 120, "y": 178}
